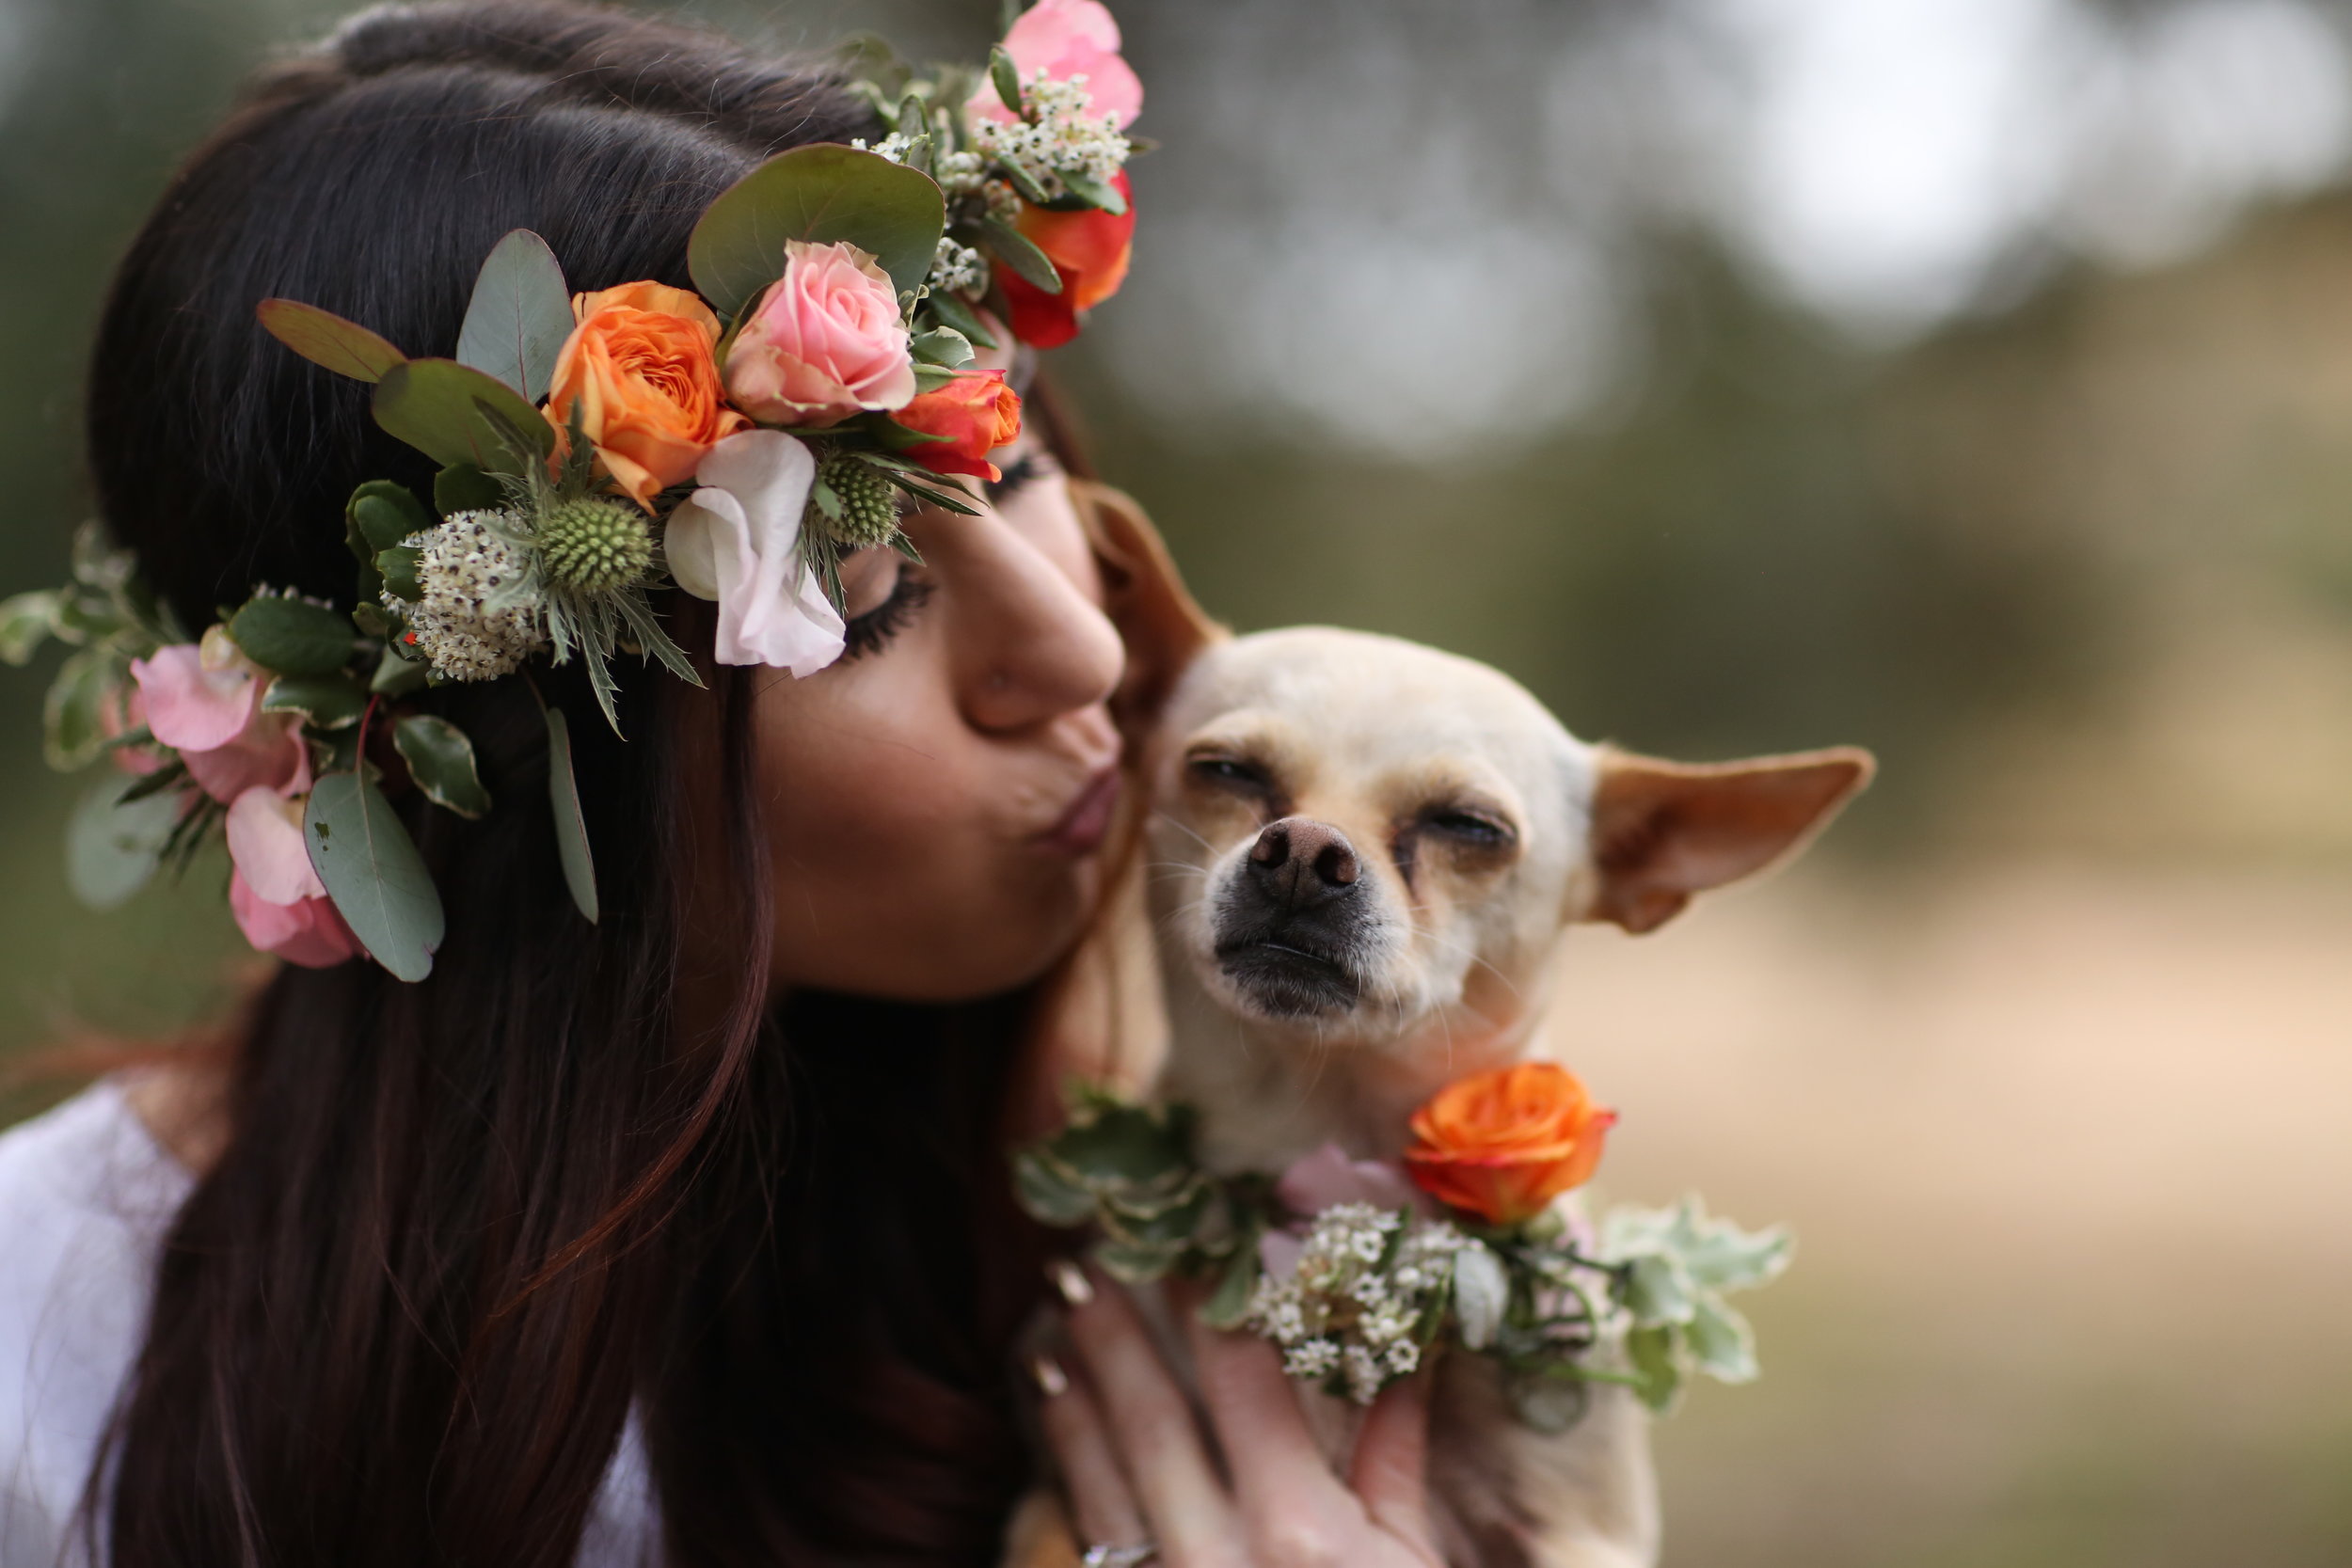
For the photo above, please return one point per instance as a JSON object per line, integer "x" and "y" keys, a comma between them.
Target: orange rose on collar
{"x": 1503, "y": 1145}
{"x": 639, "y": 370}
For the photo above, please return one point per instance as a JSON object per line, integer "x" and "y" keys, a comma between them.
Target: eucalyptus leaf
{"x": 328, "y": 701}
{"x": 520, "y": 316}
{"x": 327, "y": 340}
{"x": 1019, "y": 252}
{"x": 112, "y": 846}
{"x": 380, "y": 515}
{"x": 822, "y": 193}
{"x": 571, "y": 828}
{"x": 373, "y": 872}
{"x": 26, "y": 620}
{"x": 1722, "y": 1342}
{"x": 398, "y": 566}
{"x": 952, "y": 311}
{"x": 292, "y": 637}
{"x": 1026, "y": 183}
{"x": 942, "y": 345}
{"x": 463, "y": 487}
{"x": 1096, "y": 193}
{"x": 440, "y": 760}
{"x": 396, "y": 675}
{"x": 1005, "y": 77}
{"x": 445, "y": 410}
{"x": 73, "y": 732}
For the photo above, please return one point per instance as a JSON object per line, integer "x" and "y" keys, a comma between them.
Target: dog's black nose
{"x": 1300, "y": 862}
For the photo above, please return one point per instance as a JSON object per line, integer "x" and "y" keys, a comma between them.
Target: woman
{"x": 684, "y": 1237}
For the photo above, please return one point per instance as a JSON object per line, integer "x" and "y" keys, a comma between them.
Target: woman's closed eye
{"x": 871, "y": 631}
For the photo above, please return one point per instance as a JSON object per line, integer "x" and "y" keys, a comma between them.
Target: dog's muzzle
{"x": 1291, "y": 918}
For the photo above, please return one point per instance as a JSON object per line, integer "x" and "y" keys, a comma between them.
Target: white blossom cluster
{"x": 958, "y": 269}
{"x": 1063, "y": 136}
{"x": 472, "y": 624}
{"x": 1345, "y": 1310}
{"x": 959, "y": 173}
{"x": 893, "y": 148}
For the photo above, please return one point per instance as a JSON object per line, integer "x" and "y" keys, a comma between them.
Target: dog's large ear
{"x": 1163, "y": 628}
{"x": 1664, "y": 831}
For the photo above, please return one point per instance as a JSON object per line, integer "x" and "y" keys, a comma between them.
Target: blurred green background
{"x": 1971, "y": 379}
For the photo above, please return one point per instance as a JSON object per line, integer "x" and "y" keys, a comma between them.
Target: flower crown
{"x": 734, "y": 441}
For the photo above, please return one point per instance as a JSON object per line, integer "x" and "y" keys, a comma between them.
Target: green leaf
{"x": 952, "y": 311}
{"x": 1019, "y": 252}
{"x": 73, "y": 733}
{"x": 1658, "y": 1291}
{"x": 1096, "y": 193}
{"x": 520, "y": 316}
{"x": 372, "y": 619}
{"x": 1047, "y": 1196}
{"x": 373, "y": 871}
{"x": 1229, "y": 1302}
{"x": 1132, "y": 1265}
{"x": 1026, "y": 183}
{"x": 463, "y": 487}
{"x": 396, "y": 676}
{"x": 1005, "y": 76}
{"x": 111, "y": 845}
{"x": 646, "y": 628}
{"x": 25, "y": 621}
{"x": 1722, "y": 1342}
{"x": 326, "y": 339}
{"x": 961, "y": 505}
{"x": 1658, "y": 1372}
{"x": 942, "y": 345}
{"x": 930, "y": 378}
{"x": 398, "y": 568}
{"x": 440, "y": 759}
{"x": 292, "y": 637}
{"x": 328, "y": 701}
{"x": 820, "y": 193}
{"x": 444, "y": 409}
{"x": 571, "y": 828}
{"x": 380, "y": 515}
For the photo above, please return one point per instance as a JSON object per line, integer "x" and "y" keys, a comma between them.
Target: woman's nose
{"x": 1034, "y": 644}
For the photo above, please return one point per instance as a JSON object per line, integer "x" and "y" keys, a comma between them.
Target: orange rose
{"x": 977, "y": 413}
{"x": 1505, "y": 1143}
{"x": 639, "y": 370}
{"x": 1089, "y": 250}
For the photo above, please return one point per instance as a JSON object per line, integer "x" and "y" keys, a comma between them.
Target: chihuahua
{"x": 1366, "y": 854}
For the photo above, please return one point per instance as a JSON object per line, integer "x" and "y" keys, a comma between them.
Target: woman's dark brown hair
{"x": 462, "y": 1227}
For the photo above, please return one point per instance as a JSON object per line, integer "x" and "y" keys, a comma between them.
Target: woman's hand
{"x": 1139, "y": 1469}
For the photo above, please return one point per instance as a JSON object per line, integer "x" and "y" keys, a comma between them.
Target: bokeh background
{"x": 1971, "y": 379}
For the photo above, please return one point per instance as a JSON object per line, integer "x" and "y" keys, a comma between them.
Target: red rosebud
{"x": 1089, "y": 250}
{"x": 976, "y": 413}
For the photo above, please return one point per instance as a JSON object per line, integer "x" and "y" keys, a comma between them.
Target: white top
{"x": 86, "y": 1196}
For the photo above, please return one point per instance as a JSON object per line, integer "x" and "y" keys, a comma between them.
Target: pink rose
{"x": 1066, "y": 38}
{"x": 205, "y": 700}
{"x": 825, "y": 341}
{"x": 275, "y": 893}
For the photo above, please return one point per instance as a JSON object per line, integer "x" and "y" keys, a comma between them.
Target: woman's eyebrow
{"x": 1015, "y": 474}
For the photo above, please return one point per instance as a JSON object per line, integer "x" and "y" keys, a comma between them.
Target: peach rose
{"x": 1066, "y": 38}
{"x": 1503, "y": 1144}
{"x": 977, "y": 413}
{"x": 638, "y": 369}
{"x": 1089, "y": 250}
{"x": 825, "y": 341}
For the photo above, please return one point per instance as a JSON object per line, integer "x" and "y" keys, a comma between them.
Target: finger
{"x": 1099, "y": 1494}
{"x": 1269, "y": 1447}
{"x": 1159, "y": 1446}
{"x": 1390, "y": 1470}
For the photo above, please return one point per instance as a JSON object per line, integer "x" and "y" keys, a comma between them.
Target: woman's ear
{"x": 1664, "y": 831}
{"x": 1146, "y": 600}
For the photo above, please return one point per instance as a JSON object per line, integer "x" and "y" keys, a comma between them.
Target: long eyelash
{"x": 1018, "y": 472}
{"x": 869, "y": 632}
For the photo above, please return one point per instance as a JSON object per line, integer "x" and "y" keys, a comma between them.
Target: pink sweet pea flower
{"x": 205, "y": 700}
{"x": 1327, "y": 1177}
{"x": 825, "y": 341}
{"x": 276, "y": 895}
{"x": 1066, "y": 38}
{"x": 736, "y": 540}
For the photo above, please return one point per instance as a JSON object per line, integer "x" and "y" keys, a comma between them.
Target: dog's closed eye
{"x": 1233, "y": 773}
{"x": 1474, "y": 827}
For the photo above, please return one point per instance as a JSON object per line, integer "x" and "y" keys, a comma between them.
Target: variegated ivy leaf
{"x": 1658, "y": 1291}
{"x": 1722, "y": 1342}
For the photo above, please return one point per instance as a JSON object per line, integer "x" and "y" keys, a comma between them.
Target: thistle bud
{"x": 593, "y": 544}
{"x": 869, "y": 502}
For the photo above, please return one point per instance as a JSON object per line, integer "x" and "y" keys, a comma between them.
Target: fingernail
{"x": 1051, "y": 1379}
{"x": 1070, "y": 1281}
